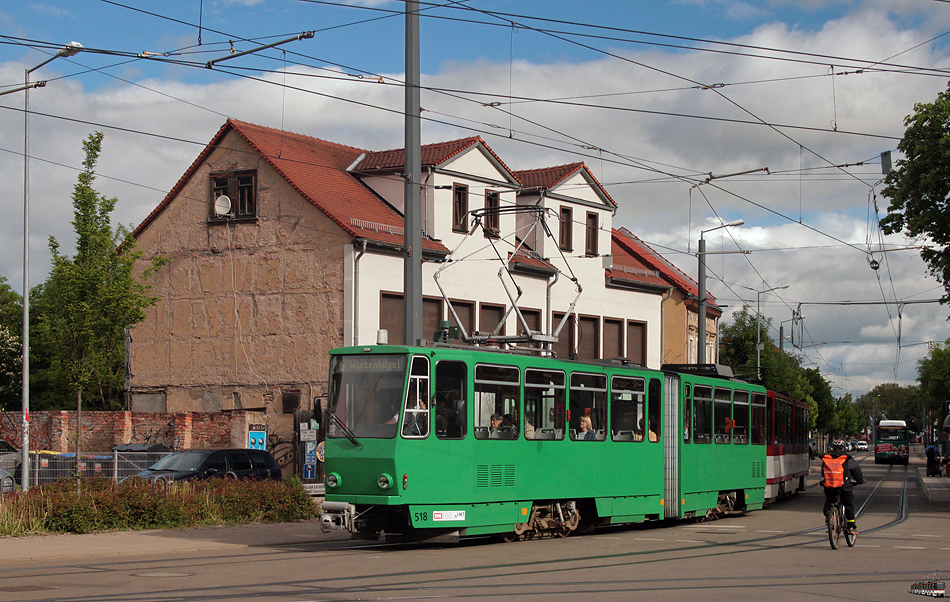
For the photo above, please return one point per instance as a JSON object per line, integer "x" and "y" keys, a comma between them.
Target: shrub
{"x": 102, "y": 505}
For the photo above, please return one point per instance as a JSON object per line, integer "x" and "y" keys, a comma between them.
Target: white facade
{"x": 473, "y": 274}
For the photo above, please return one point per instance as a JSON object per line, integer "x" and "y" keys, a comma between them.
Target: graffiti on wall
{"x": 149, "y": 435}
{"x": 283, "y": 451}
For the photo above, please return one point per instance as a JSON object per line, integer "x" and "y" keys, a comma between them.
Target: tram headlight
{"x": 385, "y": 481}
{"x": 334, "y": 480}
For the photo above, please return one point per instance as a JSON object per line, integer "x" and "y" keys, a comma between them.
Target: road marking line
{"x": 764, "y": 531}
{"x": 647, "y": 539}
{"x": 690, "y": 541}
{"x": 916, "y": 535}
{"x": 909, "y": 548}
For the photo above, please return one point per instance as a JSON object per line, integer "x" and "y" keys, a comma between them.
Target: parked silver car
{"x": 7, "y": 482}
{"x": 9, "y": 457}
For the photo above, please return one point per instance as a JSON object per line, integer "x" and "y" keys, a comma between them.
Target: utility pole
{"x": 412, "y": 270}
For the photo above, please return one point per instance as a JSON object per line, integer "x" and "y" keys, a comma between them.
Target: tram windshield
{"x": 366, "y": 393}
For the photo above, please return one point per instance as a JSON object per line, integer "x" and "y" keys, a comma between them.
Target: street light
{"x": 701, "y": 345}
{"x": 758, "y": 328}
{"x": 68, "y": 50}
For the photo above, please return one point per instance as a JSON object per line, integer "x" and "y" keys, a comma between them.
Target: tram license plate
{"x": 448, "y": 515}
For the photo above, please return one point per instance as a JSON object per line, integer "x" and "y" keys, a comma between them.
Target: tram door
{"x": 672, "y": 432}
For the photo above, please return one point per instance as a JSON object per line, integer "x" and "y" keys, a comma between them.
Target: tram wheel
{"x": 509, "y": 537}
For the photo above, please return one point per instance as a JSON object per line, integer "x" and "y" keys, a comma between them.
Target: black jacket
{"x": 852, "y": 470}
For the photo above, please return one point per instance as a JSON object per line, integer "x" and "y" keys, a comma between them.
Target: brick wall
{"x": 101, "y": 431}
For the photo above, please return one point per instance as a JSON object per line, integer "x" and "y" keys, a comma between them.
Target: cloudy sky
{"x": 800, "y": 97}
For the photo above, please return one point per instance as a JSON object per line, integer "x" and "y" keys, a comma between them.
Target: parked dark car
{"x": 220, "y": 463}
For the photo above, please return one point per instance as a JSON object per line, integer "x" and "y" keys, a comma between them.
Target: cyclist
{"x": 840, "y": 473}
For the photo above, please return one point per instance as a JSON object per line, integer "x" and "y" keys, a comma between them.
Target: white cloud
{"x": 669, "y": 212}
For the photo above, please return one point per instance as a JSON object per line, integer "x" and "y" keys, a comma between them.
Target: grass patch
{"x": 102, "y": 505}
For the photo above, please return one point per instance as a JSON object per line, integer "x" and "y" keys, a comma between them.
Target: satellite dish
{"x": 222, "y": 206}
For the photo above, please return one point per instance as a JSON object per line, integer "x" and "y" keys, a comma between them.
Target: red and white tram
{"x": 787, "y": 423}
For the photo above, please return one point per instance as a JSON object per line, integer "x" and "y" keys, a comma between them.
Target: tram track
{"x": 902, "y": 511}
{"x": 902, "y": 515}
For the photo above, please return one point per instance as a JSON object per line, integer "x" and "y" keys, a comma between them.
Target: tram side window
{"x": 497, "y": 391}
{"x": 653, "y": 410}
{"x": 588, "y": 397}
{"x": 450, "y": 407}
{"x": 687, "y": 413}
{"x": 702, "y": 414}
{"x": 544, "y": 404}
{"x": 740, "y": 417}
{"x": 723, "y": 415}
{"x": 788, "y": 423}
{"x": 759, "y": 417}
{"x": 770, "y": 421}
{"x": 627, "y": 400}
{"x": 415, "y": 418}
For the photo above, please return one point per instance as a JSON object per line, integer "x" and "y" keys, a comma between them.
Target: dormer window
{"x": 492, "y": 220}
{"x": 459, "y": 208}
{"x": 241, "y": 189}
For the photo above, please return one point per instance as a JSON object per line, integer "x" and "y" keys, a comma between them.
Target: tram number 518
{"x": 420, "y": 517}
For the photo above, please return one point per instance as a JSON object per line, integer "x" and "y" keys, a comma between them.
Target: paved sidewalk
{"x": 936, "y": 489}
{"x": 130, "y": 543}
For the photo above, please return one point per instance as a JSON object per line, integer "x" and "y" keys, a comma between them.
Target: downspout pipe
{"x": 356, "y": 295}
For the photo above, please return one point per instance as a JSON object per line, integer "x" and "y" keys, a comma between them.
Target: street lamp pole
{"x": 701, "y": 343}
{"x": 758, "y": 328}
{"x": 68, "y": 50}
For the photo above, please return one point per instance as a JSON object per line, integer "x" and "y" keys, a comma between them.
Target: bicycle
{"x": 837, "y": 524}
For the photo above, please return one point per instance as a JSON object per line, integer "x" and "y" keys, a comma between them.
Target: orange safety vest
{"x": 833, "y": 470}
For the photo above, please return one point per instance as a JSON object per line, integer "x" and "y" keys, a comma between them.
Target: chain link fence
{"x": 46, "y": 467}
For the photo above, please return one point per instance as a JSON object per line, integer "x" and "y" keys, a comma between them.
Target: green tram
{"x": 891, "y": 442}
{"x": 442, "y": 441}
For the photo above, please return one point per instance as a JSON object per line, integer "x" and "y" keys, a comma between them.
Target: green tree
{"x": 823, "y": 413}
{"x": 893, "y": 401}
{"x": 89, "y": 299}
{"x": 781, "y": 371}
{"x": 933, "y": 374}
{"x": 11, "y": 308}
{"x": 919, "y": 188}
{"x": 11, "y": 360}
{"x": 848, "y": 420}
{"x": 11, "y": 347}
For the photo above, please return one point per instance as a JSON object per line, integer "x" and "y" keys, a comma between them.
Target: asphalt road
{"x": 780, "y": 553}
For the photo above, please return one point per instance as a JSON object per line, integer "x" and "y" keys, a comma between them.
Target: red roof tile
{"x": 316, "y": 169}
{"x": 627, "y": 266}
{"x": 633, "y": 245}
{"x": 432, "y": 155}
{"x": 549, "y": 177}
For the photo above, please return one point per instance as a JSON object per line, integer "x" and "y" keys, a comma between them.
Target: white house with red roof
{"x": 283, "y": 246}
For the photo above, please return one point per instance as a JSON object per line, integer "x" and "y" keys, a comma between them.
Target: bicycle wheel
{"x": 834, "y": 527}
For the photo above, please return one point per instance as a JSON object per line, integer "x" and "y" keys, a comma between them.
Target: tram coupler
{"x": 337, "y": 516}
